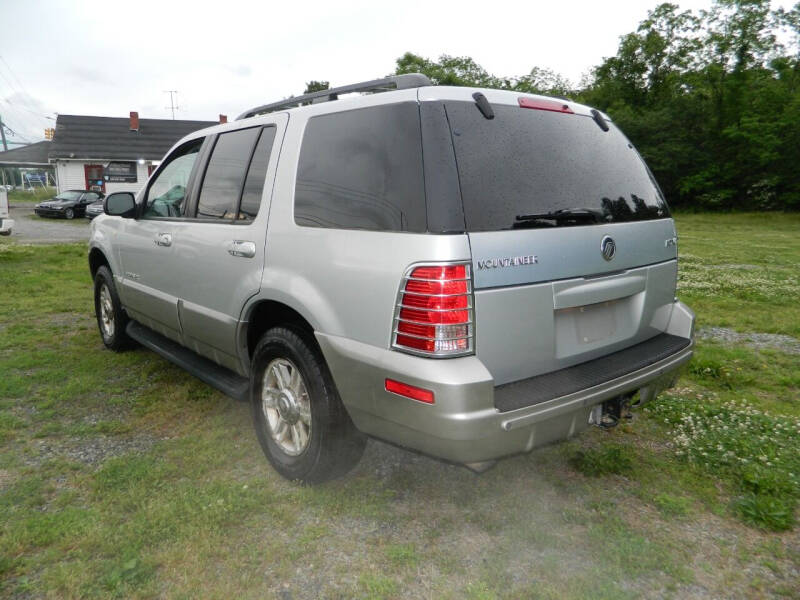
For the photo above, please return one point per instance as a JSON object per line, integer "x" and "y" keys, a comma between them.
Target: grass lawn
{"x": 122, "y": 476}
{"x": 38, "y": 195}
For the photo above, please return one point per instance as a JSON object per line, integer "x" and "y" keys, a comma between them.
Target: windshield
{"x": 68, "y": 196}
{"x": 534, "y": 168}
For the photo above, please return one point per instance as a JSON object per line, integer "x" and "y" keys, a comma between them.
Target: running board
{"x": 226, "y": 381}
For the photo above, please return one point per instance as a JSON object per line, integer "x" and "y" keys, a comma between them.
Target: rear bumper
{"x": 463, "y": 425}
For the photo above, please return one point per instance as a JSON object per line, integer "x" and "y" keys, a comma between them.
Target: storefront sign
{"x": 120, "y": 172}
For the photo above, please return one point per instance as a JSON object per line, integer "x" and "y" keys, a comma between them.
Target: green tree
{"x": 316, "y": 86}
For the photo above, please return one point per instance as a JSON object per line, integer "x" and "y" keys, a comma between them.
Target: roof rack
{"x": 395, "y": 82}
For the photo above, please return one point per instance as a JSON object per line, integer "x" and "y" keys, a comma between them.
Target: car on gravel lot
{"x": 468, "y": 273}
{"x": 95, "y": 209}
{"x": 68, "y": 204}
{"x": 6, "y": 223}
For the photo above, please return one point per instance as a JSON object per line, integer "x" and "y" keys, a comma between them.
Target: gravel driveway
{"x": 28, "y": 228}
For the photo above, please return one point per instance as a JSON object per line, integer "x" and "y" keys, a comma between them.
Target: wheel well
{"x": 96, "y": 260}
{"x": 269, "y": 314}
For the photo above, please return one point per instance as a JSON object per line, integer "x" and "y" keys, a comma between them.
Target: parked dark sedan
{"x": 68, "y": 204}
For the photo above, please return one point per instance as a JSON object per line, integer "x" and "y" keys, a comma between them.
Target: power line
{"x": 25, "y": 92}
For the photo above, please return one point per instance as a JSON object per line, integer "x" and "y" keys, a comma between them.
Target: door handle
{"x": 242, "y": 248}
{"x": 163, "y": 239}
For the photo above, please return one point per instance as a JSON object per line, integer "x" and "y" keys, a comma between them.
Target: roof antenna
{"x": 172, "y": 101}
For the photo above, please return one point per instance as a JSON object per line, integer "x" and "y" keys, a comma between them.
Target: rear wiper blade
{"x": 564, "y": 214}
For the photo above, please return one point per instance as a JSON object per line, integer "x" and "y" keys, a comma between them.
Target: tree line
{"x": 711, "y": 100}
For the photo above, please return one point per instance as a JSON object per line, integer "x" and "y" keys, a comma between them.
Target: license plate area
{"x": 580, "y": 329}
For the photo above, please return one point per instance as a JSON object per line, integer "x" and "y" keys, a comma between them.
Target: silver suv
{"x": 466, "y": 273}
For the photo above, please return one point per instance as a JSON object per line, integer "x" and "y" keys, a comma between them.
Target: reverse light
{"x": 434, "y": 312}
{"x": 545, "y": 104}
{"x": 409, "y": 391}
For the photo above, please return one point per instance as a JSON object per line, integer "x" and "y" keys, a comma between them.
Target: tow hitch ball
{"x": 611, "y": 412}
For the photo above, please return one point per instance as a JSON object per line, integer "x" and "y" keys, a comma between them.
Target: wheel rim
{"x": 286, "y": 406}
{"x": 106, "y": 311}
{"x": 70, "y": 214}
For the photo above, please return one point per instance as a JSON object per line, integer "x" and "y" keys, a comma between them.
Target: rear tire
{"x": 301, "y": 423}
{"x": 111, "y": 318}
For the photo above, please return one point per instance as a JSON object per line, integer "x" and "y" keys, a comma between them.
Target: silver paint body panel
{"x": 567, "y": 306}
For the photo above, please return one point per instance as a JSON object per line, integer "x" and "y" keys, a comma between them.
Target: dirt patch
{"x": 759, "y": 341}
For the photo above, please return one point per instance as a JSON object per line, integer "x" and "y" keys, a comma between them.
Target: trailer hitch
{"x": 609, "y": 414}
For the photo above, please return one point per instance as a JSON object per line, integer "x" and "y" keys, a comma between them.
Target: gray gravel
{"x": 30, "y": 229}
{"x": 759, "y": 341}
{"x": 92, "y": 451}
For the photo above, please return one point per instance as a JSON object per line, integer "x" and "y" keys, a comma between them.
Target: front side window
{"x": 362, "y": 169}
{"x": 167, "y": 193}
{"x": 222, "y": 184}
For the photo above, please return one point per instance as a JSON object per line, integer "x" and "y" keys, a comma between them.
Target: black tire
{"x": 69, "y": 213}
{"x": 117, "y": 339}
{"x": 333, "y": 445}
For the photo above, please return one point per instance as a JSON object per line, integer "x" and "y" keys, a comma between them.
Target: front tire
{"x": 301, "y": 423}
{"x": 69, "y": 213}
{"x": 111, "y": 318}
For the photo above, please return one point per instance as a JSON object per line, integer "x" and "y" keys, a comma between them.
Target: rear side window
{"x": 362, "y": 169}
{"x": 222, "y": 184}
{"x": 256, "y": 174}
{"x": 525, "y": 163}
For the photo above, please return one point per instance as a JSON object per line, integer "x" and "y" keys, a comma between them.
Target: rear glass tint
{"x": 256, "y": 174}
{"x": 529, "y": 162}
{"x": 222, "y": 184}
{"x": 362, "y": 169}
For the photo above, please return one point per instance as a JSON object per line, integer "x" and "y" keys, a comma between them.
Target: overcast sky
{"x": 109, "y": 58}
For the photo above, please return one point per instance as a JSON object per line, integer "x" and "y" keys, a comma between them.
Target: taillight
{"x": 434, "y": 312}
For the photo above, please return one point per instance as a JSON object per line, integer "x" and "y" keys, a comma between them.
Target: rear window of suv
{"x": 362, "y": 169}
{"x": 527, "y": 162}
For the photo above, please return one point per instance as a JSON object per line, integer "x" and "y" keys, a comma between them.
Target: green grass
{"x": 122, "y": 476}
{"x": 25, "y": 197}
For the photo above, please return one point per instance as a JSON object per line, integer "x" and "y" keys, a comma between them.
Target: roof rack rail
{"x": 395, "y": 82}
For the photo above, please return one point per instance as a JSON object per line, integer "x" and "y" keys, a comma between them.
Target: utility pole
{"x": 173, "y": 97}
{"x": 3, "y": 134}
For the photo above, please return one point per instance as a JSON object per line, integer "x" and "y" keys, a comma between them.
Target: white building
{"x": 110, "y": 154}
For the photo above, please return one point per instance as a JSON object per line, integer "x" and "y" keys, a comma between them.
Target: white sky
{"x": 108, "y": 58}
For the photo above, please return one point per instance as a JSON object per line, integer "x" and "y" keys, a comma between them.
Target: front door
{"x": 93, "y": 174}
{"x": 151, "y": 267}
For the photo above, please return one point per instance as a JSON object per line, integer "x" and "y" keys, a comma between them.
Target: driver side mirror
{"x": 120, "y": 204}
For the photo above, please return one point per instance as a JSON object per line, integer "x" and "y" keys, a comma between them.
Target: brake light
{"x": 409, "y": 391}
{"x": 434, "y": 312}
{"x": 545, "y": 104}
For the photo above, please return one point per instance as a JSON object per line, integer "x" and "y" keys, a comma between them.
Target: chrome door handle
{"x": 163, "y": 239}
{"x": 242, "y": 248}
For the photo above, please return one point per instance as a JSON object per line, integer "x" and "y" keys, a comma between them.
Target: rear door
{"x": 553, "y": 289}
{"x": 220, "y": 246}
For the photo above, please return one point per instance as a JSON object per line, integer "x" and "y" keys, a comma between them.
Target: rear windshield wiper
{"x": 562, "y": 216}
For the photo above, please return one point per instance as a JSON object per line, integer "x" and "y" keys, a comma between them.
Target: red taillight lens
{"x": 409, "y": 391}
{"x": 434, "y": 312}
{"x": 545, "y": 104}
